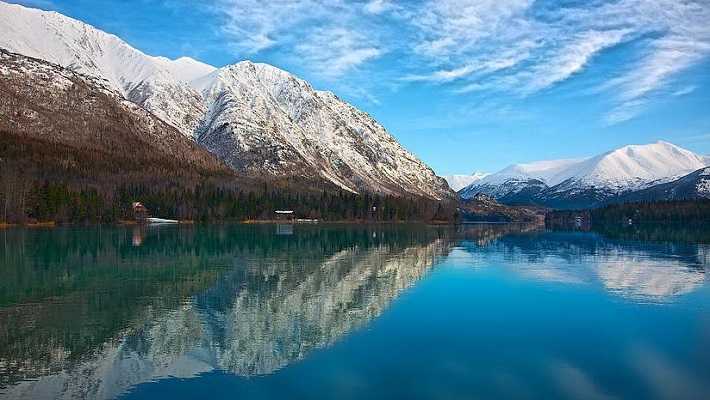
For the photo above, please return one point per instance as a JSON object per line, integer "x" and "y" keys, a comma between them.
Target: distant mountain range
{"x": 658, "y": 171}
{"x": 262, "y": 122}
{"x": 458, "y": 182}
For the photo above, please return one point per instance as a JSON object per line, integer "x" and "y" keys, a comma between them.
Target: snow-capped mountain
{"x": 263, "y": 120}
{"x": 157, "y": 84}
{"x": 260, "y": 120}
{"x": 67, "y": 122}
{"x": 633, "y": 166}
{"x": 458, "y": 182}
{"x": 591, "y": 181}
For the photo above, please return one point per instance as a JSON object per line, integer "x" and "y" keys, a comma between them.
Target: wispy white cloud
{"x": 554, "y": 43}
{"x": 330, "y": 37}
{"x": 334, "y": 51}
{"x": 253, "y": 25}
{"x": 518, "y": 47}
{"x": 624, "y": 111}
{"x": 502, "y": 61}
{"x": 667, "y": 57}
{"x": 442, "y": 75}
{"x": 472, "y": 87}
{"x": 571, "y": 58}
{"x": 688, "y": 89}
{"x": 456, "y": 28}
{"x": 379, "y": 6}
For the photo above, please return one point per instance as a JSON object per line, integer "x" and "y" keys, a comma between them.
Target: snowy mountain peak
{"x": 551, "y": 171}
{"x": 637, "y": 165}
{"x": 264, "y": 120}
{"x": 156, "y": 83}
{"x": 458, "y": 182}
{"x": 185, "y": 68}
{"x": 627, "y": 168}
{"x": 261, "y": 120}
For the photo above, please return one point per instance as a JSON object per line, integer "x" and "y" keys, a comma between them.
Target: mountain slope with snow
{"x": 458, "y": 182}
{"x": 61, "y": 124}
{"x": 591, "y": 181}
{"x": 635, "y": 166}
{"x": 259, "y": 119}
{"x": 695, "y": 185}
{"x": 263, "y": 120}
{"x": 157, "y": 84}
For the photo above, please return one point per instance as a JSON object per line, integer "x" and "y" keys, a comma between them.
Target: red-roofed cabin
{"x": 140, "y": 212}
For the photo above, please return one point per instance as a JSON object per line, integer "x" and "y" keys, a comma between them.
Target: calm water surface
{"x": 351, "y": 312}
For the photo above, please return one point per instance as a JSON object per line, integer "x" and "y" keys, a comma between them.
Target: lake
{"x": 351, "y": 311}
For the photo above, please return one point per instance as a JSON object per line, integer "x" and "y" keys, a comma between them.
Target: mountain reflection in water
{"x": 637, "y": 271}
{"x": 93, "y": 312}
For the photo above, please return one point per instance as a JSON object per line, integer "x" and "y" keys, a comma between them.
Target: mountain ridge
{"x": 78, "y": 46}
{"x": 256, "y": 106}
{"x": 695, "y": 185}
{"x": 264, "y": 122}
{"x": 457, "y": 181}
{"x": 61, "y": 125}
{"x": 591, "y": 181}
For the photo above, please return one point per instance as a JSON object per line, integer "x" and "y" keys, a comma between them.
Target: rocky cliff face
{"x": 262, "y": 120}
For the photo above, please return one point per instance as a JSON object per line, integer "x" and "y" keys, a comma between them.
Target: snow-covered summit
{"x": 458, "y": 182}
{"x": 259, "y": 119}
{"x": 551, "y": 172}
{"x": 627, "y": 165}
{"x": 636, "y": 165}
{"x": 264, "y": 120}
{"x": 627, "y": 168}
{"x": 157, "y": 84}
{"x": 185, "y": 68}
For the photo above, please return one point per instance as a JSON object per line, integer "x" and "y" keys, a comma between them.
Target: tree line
{"x": 61, "y": 203}
{"x": 688, "y": 212}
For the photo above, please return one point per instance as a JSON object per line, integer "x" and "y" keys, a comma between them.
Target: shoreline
{"x": 53, "y": 224}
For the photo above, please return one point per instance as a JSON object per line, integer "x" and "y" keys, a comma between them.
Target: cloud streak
{"x": 331, "y": 38}
{"x": 554, "y": 43}
{"x": 334, "y": 51}
{"x": 487, "y": 47}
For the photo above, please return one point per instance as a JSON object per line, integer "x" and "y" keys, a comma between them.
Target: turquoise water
{"x": 338, "y": 311}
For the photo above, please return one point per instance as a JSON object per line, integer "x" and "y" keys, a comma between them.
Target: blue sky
{"x": 466, "y": 85}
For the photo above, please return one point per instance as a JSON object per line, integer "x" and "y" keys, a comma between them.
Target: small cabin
{"x": 140, "y": 212}
{"x": 285, "y": 215}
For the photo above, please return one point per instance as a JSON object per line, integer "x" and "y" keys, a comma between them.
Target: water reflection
{"x": 637, "y": 271}
{"x": 91, "y": 314}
